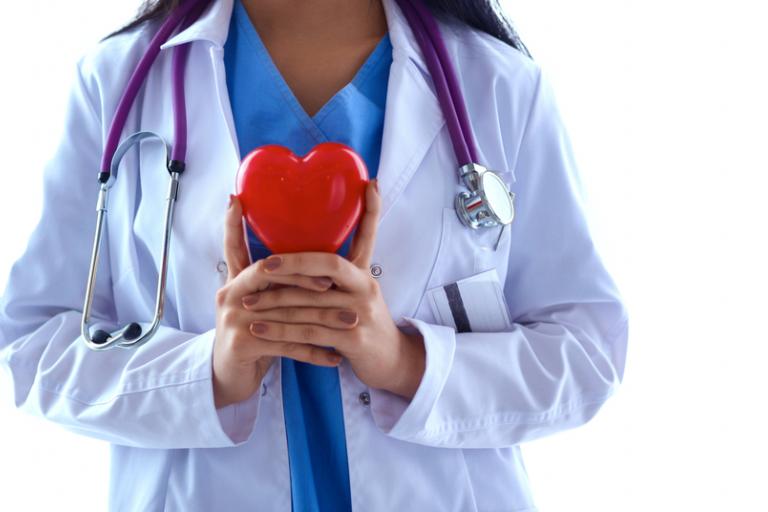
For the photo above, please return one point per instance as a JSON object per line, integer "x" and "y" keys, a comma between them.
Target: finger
{"x": 364, "y": 241}
{"x": 274, "y": 286}
{"x": 333, "y": 318}
{"x": 235, "y": 247}
{"x": 252, "y": 348}
{"x": 343, "y": 273}
{"x": 300, "y": 352}
{"x": 254, "y": 278}
{"x": 307, "y": 334}
{"x": 298, "y": 297}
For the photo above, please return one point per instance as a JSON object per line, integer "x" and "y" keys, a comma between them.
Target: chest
{"x": 315, "y": 72}
{"x": 316, "y": 55}
{"x": 420, "y": 243}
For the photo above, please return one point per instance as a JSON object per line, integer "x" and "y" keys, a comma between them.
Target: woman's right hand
{"x": 240, "y": 359}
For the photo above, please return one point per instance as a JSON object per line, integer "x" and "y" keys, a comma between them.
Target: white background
{"x": 666, "y": 104}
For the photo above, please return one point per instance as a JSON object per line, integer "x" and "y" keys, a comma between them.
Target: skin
{"x": 297, "y": 305}
{"x": 318, "y": 45}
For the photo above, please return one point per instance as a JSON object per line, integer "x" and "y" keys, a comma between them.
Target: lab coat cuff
{"x": 237, "y": 420}
{"x": 404, "y": 419}
{"x": 233, "y": 424}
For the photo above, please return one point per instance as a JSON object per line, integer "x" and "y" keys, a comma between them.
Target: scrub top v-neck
{"x": 266, "y": 111}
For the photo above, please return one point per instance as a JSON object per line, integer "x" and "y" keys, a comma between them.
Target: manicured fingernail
{"x": 250, "y": 300}
{"x": 258, "y": 328}
{"x": 323, "y": 281}
{"x": 272, "y": 262}
{"x": 348, "y": 317}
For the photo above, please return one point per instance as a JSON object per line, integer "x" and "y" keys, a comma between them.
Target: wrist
{"x": 411, "y": 365}
{"x": 234, "y": 386}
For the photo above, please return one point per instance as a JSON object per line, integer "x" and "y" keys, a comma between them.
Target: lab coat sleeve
{"x": 158, "y": 395}
{"x": 564, "y": 354}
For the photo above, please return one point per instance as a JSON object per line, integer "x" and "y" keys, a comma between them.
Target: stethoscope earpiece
{"x": 125, "y": 338}
{"x": 100, "y": 337}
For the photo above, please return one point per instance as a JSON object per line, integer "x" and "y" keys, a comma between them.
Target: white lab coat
{"x": 455, "y": 445}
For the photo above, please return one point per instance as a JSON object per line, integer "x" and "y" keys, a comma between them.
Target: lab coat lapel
{"x": 412, "y": 117}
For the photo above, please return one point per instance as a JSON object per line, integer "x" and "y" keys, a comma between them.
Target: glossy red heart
{"x": 299, "y": 204}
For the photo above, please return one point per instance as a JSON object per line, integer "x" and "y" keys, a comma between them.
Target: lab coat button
{"x": 376, "y": 270}
{"x": 365, "y": 398}
{"x": 221, "y": 266}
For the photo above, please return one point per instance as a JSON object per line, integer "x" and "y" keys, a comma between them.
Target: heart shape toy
{"x": 299, "y": 204}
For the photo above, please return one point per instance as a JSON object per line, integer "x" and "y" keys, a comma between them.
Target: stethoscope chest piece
{"x": 488, "y": 202}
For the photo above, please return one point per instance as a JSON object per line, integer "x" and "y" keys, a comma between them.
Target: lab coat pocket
{"x": 464, "y": 251}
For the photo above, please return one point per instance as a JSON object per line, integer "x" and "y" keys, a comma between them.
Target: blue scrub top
{"x": 266, "y": 112}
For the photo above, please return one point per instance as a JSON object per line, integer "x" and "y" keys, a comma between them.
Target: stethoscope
{"x": 487, "y": 202}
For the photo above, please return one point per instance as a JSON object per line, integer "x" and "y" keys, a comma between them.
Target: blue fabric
{"x": 266, "y": 112}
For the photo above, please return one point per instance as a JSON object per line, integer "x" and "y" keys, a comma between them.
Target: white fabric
{"x": 455, "y": 445}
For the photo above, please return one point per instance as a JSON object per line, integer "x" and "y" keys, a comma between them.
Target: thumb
{"x": 361, "y": 251}
{"x": 235, "y": 247}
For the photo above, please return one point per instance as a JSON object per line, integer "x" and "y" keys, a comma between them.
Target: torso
{"x": 415, "y": 252}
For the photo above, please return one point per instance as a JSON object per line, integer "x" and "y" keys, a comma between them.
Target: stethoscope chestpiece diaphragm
{"x": 488, "y": 202}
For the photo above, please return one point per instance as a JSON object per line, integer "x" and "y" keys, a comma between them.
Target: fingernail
{"x": 231, "y": 197}
{"x": 323, "y": 282}
{"x": 334, "y": 358}
{"x": 376, "y": 184}
{"x": 258, "y": 328}
{"x": 348, "y": 317}
{"x": 250, "y": 300}
{"x": 272, "y": 262}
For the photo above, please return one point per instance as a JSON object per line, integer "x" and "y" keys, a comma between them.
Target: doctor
{"x": 232, "y": 405}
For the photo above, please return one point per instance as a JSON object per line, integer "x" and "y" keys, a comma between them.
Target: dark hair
{"x": 484, "y": 15}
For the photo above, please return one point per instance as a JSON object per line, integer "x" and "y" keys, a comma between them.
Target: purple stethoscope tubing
{"x": 179, "y": 61}
{"x": 138, "y": 77}
{"x": 424, "y": 28}
{"x": 444, "y": 77}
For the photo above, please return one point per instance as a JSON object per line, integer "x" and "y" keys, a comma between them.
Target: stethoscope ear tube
{"x": 131, "y": 335}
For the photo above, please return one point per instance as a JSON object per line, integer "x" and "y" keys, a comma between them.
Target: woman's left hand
{"x": 381, "y": 355}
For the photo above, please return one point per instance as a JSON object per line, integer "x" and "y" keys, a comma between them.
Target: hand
{"x": 240, "y": 360}
{"x": 380, "y": 354}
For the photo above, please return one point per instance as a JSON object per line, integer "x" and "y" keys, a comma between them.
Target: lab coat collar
{"x": 413, "y": 117}
{"x": 212, "y": 26}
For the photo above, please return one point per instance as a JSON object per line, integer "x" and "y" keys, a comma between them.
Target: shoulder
{"x": 106, "y": 66}
{"x": 481, "y": 55}
{"x": 502, "y": 87}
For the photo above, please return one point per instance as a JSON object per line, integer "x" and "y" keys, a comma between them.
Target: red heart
{"x": 302, "y": 204}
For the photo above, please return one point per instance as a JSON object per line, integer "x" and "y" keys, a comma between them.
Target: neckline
{"x": 310, "y": 122}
